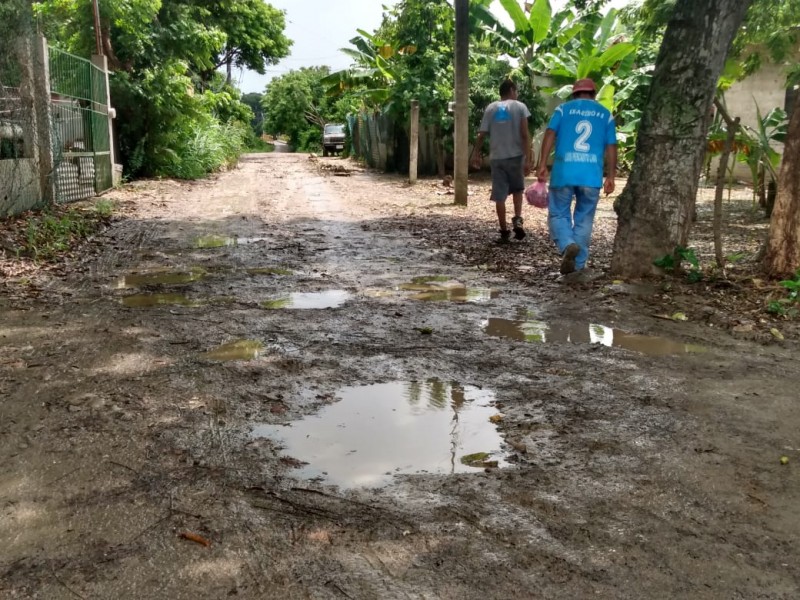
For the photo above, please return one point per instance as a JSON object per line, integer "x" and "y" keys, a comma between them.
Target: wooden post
{"x": 413, "y": 153}
{"x": 461, "y": 138}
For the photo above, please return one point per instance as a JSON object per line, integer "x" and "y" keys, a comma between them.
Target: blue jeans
{"x": 572, "y": 227}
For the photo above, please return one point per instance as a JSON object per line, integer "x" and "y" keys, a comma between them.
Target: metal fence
{"x": 81, "y": 140}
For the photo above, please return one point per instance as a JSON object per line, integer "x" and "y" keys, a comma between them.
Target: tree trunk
{"x": 733, "y": 126}
{"x": 655, "y": 207}
{"x": 783, "y": 248}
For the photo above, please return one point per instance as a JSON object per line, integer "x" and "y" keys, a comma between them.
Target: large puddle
{"x": 440, "y": 288}
{"x": 309, "y": 300}
{"x": 376, "y": 431}
{"x": 221, "y": 241}
{"x": 538, "y": 331}
{"x": 238, "y": 350}
{"x": 161, "y": 277}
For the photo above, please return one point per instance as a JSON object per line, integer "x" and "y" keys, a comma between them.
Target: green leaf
{"x": 514, "y": 11}
{"x": 606, "y": 96}
{"x": 614, "y": 54}
{"x": 540, "y": 18}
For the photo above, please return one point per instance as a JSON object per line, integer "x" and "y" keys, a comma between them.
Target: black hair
{"x": 507, "y": 87}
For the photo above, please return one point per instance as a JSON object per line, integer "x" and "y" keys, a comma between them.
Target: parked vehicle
{"x": 332, "y": 139}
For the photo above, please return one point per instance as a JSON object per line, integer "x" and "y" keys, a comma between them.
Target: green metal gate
{"x": 80, "y": 125}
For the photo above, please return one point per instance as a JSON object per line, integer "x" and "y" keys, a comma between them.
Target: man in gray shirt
{"x": 506, "y": 123}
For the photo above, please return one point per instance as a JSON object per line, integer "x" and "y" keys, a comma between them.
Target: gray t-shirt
{"x": 501, "y": 121}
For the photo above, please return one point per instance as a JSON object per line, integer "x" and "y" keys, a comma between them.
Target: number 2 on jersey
{"x": 583, "y": 129}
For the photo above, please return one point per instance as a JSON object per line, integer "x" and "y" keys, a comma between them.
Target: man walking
{"x": 584, "y": 134}
{"x": 506, "y": 124}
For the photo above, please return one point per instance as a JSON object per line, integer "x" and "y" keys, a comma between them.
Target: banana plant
{"x": 755, "y": 148}
{"x": 372, "y": 73}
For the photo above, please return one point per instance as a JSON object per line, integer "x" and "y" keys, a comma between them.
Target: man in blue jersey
{"x": 585, "y": 137}
{"x": 506, "y": 124}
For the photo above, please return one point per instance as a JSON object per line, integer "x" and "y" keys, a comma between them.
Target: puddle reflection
{"x": 238, "y": 350}
{"x": 221, "y": 241}
{"x": 539, "y": 331}
{"x": 161, "y": 277}
{"x": 440, "y": 288}
{"x": 309, "y": 300}
{"x": 376, "y": 431}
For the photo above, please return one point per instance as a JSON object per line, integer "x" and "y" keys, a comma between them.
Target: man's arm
{"x": 476, "y": 159}
{"x": 547, "y": 147}
{"x": 611, "y": 173}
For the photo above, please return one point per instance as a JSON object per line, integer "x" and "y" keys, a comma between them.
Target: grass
{"x": 44, "y": 236}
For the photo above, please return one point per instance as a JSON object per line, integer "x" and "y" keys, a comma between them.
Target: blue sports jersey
{"x": 583, "y": 130}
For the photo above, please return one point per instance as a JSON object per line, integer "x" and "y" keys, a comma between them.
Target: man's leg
{"x": 516, "y": 178}
{"x": 586, "y": 199}
{"x": 559, "y": 217}
{"x": 499, "y": 195}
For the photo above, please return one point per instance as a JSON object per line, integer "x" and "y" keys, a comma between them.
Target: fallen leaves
{"x": 194, "y": 537}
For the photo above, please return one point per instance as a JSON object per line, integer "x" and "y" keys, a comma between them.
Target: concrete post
{"x": 414, "y": 142}
{"x": 36, "y": 92}
{"x": 101, "y": 62}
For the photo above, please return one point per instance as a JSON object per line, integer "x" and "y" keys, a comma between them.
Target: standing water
{"x": 376, "y": 431}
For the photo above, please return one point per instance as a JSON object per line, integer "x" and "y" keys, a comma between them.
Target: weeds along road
{"x": 277, "y": 384}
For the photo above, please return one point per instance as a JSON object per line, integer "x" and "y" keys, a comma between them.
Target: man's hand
{"x": 476, "y": 160}
{"x": 608, "y": 185}
{"x": 527, "y": 168}
{"x": 541, "y": 173}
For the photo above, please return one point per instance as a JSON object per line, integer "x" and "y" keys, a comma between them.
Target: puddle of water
{"x": 238, "y": 350}
{"x": 538, "y": 331}
{"x": 309, "y": 300}
{"x": 221, "y": 241}
{"x": 214, "y": 241}
{"x": 440, "y": 288}
{"x": 151, "y": 300}
{"x": 376, "y": 431}
{"x": 268, "y": 271}
{"x": 161, "y": 277}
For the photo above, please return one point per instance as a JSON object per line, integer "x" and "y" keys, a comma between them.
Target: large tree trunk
{"x": 655, "y": 208}
{"x": 783, "y": 248}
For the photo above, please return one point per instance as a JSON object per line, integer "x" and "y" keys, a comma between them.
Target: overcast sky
{"x": 320, "y": 28}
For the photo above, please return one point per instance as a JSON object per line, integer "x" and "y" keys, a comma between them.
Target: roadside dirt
{"x": 131, "y": 463}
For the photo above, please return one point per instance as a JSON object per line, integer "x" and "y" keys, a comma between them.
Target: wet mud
{"x": 277, "y": 383}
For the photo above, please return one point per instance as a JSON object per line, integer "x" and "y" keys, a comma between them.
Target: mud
{"x": 125, "y": 446}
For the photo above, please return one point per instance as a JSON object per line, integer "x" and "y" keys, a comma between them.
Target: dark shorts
{"x": 508, "y": 177}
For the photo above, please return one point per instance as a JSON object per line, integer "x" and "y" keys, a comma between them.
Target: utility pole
{"x": 461, "y": 141}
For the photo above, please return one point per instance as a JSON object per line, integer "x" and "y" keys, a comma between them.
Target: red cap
{"x": 584, "y": 85}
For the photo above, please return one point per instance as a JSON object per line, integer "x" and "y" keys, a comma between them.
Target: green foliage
{"x": 51, "y": 233}
{"x": 672, "y": 263}
{"x": 164, "y": 55}
{"x": 790, "y": 305}
{"x": 296, "y": 105}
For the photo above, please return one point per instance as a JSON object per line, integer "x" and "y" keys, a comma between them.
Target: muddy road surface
{"x": 277, "y": 384}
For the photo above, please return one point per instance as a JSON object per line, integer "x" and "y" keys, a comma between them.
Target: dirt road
{"x": 278, "y": 384}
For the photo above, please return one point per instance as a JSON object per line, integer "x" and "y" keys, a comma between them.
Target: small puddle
{"x": 440, "y": 288}
{"x": 309, "y": 300}
{"x": 221, "y": 241}
{"x": 151, "y": 300}
{"x": 373, "y": 432}
{"x": 238, "y": 350}
{"x": 161, "y": 277}
{"x": 538, "y": 331}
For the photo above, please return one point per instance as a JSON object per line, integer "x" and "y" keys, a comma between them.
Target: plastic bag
{"x": 536, "y": 194}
